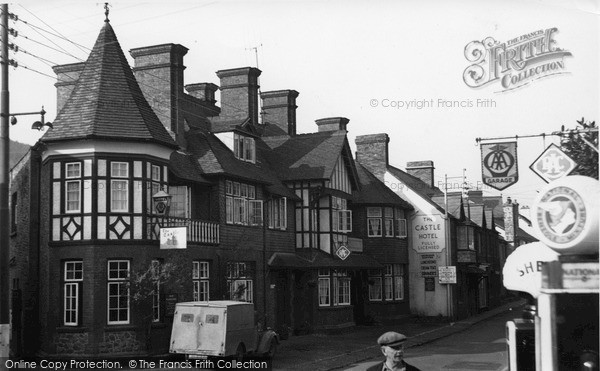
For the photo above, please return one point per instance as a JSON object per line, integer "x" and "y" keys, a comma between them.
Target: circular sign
{"x": 566, "y": 215}
{"x": 522, "y": 270}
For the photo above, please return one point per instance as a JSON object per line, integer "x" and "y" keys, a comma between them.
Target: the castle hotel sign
{"x": 428, "y": 233}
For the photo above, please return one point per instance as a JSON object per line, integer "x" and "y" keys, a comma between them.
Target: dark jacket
{"x": 379, "y": 367}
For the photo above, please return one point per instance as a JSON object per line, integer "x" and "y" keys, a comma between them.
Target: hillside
{"x": 16, "y": 152}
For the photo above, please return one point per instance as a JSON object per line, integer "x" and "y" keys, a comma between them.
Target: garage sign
{"x": 499, "y": 164}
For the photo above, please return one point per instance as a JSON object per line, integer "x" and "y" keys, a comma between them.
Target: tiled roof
{"x": 107, "y": 102}
{"x": 306, "y": 156}
{"x": 455, "y": 205}
{"x": 374, "y": 191}
{"x": 417, "y": 185}
{"x": 214, "y": 158}
{"x": 184, "y": 166}
{"x": 476, "y": 213}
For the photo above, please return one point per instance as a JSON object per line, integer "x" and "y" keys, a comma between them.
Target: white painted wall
{"x": 424, "y": 303}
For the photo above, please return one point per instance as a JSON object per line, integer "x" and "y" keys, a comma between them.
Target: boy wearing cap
{"x": 392, "y": 347}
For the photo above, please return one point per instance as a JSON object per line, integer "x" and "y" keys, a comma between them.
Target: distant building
{"x": 444, "y": 231}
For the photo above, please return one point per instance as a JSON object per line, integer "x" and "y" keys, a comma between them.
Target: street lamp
{"x": 38, "y": 125}
{"x": 162, "y": 202}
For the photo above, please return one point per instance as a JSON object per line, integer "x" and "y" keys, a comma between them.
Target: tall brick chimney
{"x": 422, "y": 170}
{"x": 511, "y": 220}
{"x": 372, "y": 153}
{"x": 159, "y": 72}
{"x": 204, "y": 91}
{"x": 332, "y": 124}
{"x": 67, "y": 76}
{"x": 239, "y": 93}
{"x": 279, "y": 109}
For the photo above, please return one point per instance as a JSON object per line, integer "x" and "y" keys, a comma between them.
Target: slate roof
{"x": 418, "y": 186}
{"x": 307, "y": 156}
{"x": 454, "y": 204}
{"x": 374, "y": 191}
{"x": 476, "y": 213}
{"x": 184, "y": 166}
{"x": 107, "y": 102}
{"x": 213, "y": 157}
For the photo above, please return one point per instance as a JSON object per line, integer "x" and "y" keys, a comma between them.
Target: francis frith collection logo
{"x": 516, "y": 62}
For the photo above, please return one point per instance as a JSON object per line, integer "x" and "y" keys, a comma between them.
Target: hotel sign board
{"x": 428, "y": 234}
{"x": 173, "y": 238}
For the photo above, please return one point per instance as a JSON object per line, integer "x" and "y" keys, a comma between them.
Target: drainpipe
{"x": 450, "y": 309}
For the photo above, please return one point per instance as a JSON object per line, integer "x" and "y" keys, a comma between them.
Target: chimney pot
{"x": 332, "y": 124}
{"x": 67, "y": 76}
{"x": 279, "y": 108}
{"x": 422, "y": 170}
{"x": 204, "y": 91}
{"x": 239, "y": 93}
{"x": 372, "y": 153}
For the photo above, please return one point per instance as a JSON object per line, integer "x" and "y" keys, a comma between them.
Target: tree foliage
{"x": 579, "y": 147}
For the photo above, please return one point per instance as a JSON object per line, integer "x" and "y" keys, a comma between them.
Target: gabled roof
{"x": 373, "y": 191}
{"x": 455, "y": 204}
{"x": 418, "y": 186}
{"x": 107, "y": 102}
{"x": 214, "y": 158}
{"x": 476, "y": 213}
{"x": 309, "y": 156}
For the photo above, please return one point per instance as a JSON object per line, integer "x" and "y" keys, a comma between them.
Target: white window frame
{"x": 255, "y": 212}
{"x": 237, "y": 275}
{"x": 401, "y": 228}
{"x": 240, "y": 205}
{"x": 200, "y": 279}
{"x": 244, "y": 148}
{"x": 68, "y": 209}
{"x": 324, "y": 288}
{"x": 388, "y": 282}
{"x": 123, "y": 180}
{"x": 73, "y": 278}
{"x": 78, "y": 171}
{"x": 388, "y": 221}
{"x": 342, "y": 289}
{"x": 398, "y": 270}
{"x": 186, "y": 202}
{"x": 122, "y": 284}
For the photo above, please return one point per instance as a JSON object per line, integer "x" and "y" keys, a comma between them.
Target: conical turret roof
{"x": 107, "y": 102}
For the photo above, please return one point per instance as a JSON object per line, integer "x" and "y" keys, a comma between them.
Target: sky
{"x": 392, "y": 67}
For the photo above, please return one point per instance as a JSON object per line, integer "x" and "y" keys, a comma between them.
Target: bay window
{"x": 119, "y": 188}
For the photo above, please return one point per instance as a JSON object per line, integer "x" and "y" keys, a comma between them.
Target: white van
{"x": 219, "y": 329}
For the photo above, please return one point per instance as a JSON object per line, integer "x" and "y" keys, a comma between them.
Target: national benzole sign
{"x": 499, "y": 164}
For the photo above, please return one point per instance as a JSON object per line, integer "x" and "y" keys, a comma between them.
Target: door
{"x": 283, "y": 305}
{"x": 359, "y": 288}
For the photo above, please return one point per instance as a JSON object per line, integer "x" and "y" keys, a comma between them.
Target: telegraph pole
{"x": 4, "y": 174}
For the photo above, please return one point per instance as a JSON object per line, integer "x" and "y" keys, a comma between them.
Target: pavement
{"x": 344, "y": 349}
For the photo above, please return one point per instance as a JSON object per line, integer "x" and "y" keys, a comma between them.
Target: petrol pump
{"x": 562, "y": 273}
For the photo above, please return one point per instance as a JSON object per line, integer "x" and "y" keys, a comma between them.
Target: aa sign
{"x": 499, "y": 164}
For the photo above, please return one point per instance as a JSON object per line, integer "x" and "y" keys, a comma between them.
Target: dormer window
{"x": 244, "y": 148}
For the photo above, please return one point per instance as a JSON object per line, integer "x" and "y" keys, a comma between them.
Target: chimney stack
{"x": 67, "y": 76}
{"x": 204, "y": 91}
{"x": 279, "y": 108}
{"x": 159, "y": 72}
{"x": 372, "y": 153}
{"x": 422, "y": 170}
{"x": 332, "y": 124}
{"x": 239, "y": 93}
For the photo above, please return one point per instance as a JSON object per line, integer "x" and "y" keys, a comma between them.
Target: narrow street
{"x": 481, "y": 347}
